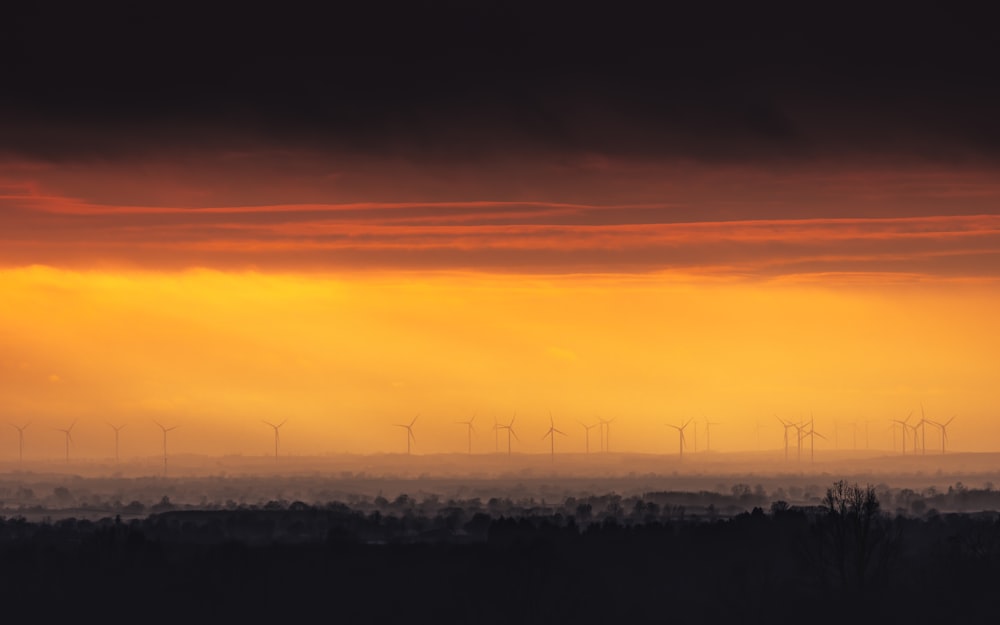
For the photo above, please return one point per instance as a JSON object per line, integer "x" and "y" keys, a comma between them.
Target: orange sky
{"x": 216, "y": 293}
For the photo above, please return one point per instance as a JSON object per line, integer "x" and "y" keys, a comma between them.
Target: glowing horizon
{"x": 345, "y": 357}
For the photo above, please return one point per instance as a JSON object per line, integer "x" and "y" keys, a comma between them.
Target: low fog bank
{"x": 697, "y": 492}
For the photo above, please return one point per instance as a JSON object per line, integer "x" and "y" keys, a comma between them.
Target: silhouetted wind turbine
{"x": 496, "y": 434}
{"x": 606, "y": 431}
{"x": 117, "y": 429}
{"x": 20, "y": 440}
{"x": 757, "y": 428}
{"x": 904, "y": 425}
{"x": 409, "y": 433}
{"x": 923, "y": 431}
{"x": 812, "y": 434}
{"x": 680, "y": 437}
{"x": 69, "y": 437}
{"x": 787, "y": 425}
{"x": 510, "y": 431}
{"x": 944, "y": 431}
{"x": 916, "y": 435}
{"x": 165, "y": 430}
{"x": 588, "y": 428}
{"x": 708, "y": 433}
{"x": 798, "y": 440}
{"x": 276, "y": 435}
{"x": 471, "y": 430}
{"x": 552, "y": 435}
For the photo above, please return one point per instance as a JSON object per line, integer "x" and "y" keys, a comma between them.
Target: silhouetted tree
{"x": 859, "y": 540}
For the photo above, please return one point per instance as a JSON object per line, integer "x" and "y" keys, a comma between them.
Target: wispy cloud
{"x": 491, "y": 235}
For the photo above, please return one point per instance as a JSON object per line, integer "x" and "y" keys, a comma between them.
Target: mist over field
{"x": 702, "y": 484}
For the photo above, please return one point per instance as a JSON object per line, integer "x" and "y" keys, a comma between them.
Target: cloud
{"x": 456, "y": 83}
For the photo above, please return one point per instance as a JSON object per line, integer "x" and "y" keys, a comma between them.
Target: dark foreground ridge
{"x": 842, "y": 561}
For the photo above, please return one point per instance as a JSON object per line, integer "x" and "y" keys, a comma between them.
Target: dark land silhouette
{"x": 658, "y": 557}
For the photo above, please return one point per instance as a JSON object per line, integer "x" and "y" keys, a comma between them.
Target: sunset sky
{"x": 346, "y": 220}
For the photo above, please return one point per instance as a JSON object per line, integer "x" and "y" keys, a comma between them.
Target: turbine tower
{"x": 471, "y": 430}
{"x": 276, "y": 436}
{"x": 944, "y": 431}
{"x": 606, "y": 433}
{"x": 811, "y": 435}
{"x": 708, "y": 433}
{"x": 757, "y": 428}
{"x": 496, "y": 434}
{"x": 787, "y": 425}
{"x": 588, "y": 428}
{"x": 20, "y": 440}
{"x": 923, "y": 431}
{"x": 510, "y": 431}
{"x": 165, "y": 430}
{"x": 69, "y": 437}
{"x": 117, "y": 429}
{"x": 798, "y": 440}
{"x": 409, "y": 433}
{"x": 552, "y": 435}
{"x": 904, "y": 424}
{"x": 680, "y": 432}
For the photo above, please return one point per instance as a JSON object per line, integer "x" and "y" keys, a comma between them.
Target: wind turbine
{"x": 552, "y": 435}
{"x": 117, "y": 429}
{"x": 798, "y": 439}
{"x": 787, "y": 425}
{"x": 20, "y": 440}
{"x": 812, "y": 434}
{"x": 916, "y": 435}
{"x": 680, "y": 432}
{"x": 708, "y": 433}
{"x": 757, "y": 428}
{"x": 496, "y": 434}
{"x": 409, "y": 433}
{"x": 69, "y": 437}
{"x": 588, "y": 428}
{"x": 904, "y": 424}
{"x": 510, "y": 431}
{"x": 923, "y": 431}
{"x": 471, "y": 430}
{"x": 944, "y": 431}
{"x": 276, "y": 436}
{"x": 165, "y": 430}
{"x": 606, "y": 433}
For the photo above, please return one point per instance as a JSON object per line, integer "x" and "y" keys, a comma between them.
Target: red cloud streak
{"x": 509, "y": 236}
